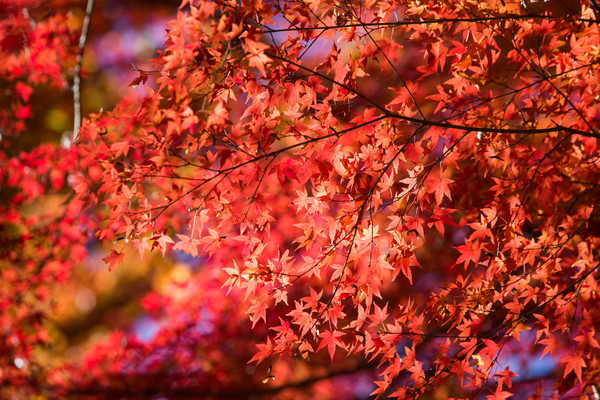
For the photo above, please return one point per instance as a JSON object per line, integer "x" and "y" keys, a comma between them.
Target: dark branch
{"x": 135, "y": 391}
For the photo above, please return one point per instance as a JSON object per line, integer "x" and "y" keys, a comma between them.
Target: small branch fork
{"x": 77, "y": 77}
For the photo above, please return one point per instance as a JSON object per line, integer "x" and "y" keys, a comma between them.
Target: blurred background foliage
{"x": 94, "y": 302}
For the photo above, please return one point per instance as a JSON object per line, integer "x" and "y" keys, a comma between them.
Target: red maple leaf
{"x": 331, "y": 339}
{"x": 573, "y": 363}
{"x": 113, "y": 259}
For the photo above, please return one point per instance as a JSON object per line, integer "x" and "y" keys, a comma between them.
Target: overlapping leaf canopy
{"x": 414, "y": 183}
{"x": 409, "y": 187}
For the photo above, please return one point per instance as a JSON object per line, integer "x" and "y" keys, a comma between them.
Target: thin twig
{"x": 597, "y": 12}
{"x": 77, "y": 78}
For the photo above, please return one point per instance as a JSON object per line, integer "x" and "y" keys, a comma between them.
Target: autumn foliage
{"x": 395, "y": 199}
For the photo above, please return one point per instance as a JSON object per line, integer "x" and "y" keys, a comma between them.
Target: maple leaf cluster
{"x": 413, "y": 183}
{"x": 405, "y": 188}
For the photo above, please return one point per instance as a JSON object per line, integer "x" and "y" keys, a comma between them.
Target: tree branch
{"x": 440, "y": 124}
{"x": 198, "y": 392}
{"x": 77, "y": 78}
{"x": 596, "y": 7}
